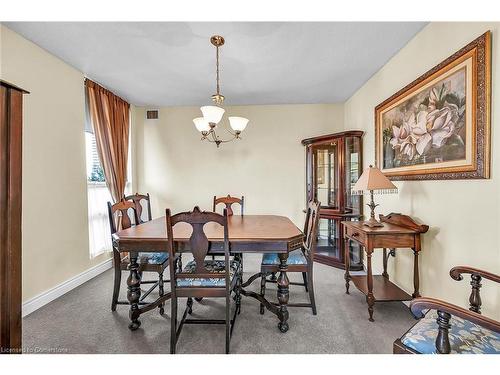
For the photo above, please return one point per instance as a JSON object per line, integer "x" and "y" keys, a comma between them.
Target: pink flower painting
{"x": 429, "y": 127}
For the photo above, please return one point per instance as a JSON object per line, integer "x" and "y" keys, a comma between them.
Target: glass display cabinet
{"x": 333, "y": 165}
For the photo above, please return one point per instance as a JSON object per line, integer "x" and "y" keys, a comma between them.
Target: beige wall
{"x": 267, "y": 166}
{"x": 55, "y": 231}
{"x": 463, "y": 215}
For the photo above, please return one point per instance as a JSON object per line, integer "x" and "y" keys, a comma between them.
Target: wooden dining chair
{"x": 202, "y": 277}
{"x": 139, "y": 208}
{"x": 228, "y": 202}
{"x": 300, "y": 260}
{"x": 120, "y": 217}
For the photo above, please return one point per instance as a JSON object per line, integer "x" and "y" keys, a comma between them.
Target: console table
{"x": 398, "y": 231}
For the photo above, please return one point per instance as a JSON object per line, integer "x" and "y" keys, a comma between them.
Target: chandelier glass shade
{"x": 212, "y": 114}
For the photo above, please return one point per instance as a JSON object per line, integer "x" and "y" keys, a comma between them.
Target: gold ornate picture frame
{"x": 438, "y": 126}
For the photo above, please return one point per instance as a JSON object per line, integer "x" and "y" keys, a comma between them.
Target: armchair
{"x": 446, "y": 328}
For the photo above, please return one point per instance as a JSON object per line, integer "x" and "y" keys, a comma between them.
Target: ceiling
{"x": 173, "y": 63}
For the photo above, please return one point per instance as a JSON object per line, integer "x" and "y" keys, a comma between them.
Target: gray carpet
{"x": 81, "y": 322}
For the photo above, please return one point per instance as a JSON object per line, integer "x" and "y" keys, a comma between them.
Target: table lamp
{"x": 372, "y": 180}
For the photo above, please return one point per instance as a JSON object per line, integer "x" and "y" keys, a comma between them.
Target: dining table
{"x": 247, "y": 234}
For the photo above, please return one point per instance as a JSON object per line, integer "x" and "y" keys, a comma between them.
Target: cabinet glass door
{"x": 353, "y": 203}
{"x": 325, "y": 174}
{"x": 328, "y": 243}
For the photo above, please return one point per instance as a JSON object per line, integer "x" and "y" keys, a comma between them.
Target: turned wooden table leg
{"x": 384, "y": 260}
{"x": 416, "y": 282}
{"x": 370, "y": 299}
{"x": 134, "y": 291}
{"x": 283, "y": 293}
{"x": 347, "y": 265}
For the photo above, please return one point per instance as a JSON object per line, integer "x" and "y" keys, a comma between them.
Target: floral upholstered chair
{"x": 123, "y": 215}
{"x": 202, "y": 277}
{"x": 299, "y": 260}
{"x": 447, "y": 328}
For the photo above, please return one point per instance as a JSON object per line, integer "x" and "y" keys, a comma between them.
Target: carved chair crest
{"x": 137, "y": 198}
{"x": 228, "y": 202}
{"x": 119, "y": 215}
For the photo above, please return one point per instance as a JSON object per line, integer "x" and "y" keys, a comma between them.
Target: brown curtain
{"x": 109, "y": 115}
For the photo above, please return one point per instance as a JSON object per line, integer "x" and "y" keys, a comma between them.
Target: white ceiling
{"x": 173, "y": 63}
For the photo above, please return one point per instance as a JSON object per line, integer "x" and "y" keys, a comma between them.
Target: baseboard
{"x": 42, "y": 299}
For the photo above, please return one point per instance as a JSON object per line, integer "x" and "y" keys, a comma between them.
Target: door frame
{"x": 11, "y": 117}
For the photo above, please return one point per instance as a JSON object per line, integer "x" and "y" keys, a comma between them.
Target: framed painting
{"x": 438, "y": 126}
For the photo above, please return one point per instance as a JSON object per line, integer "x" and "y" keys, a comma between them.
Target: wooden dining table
{"x": 247, "y": 234}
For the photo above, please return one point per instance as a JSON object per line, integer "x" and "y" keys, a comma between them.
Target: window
{"x": 95, "y": 172}
{"x": 98, "y": 195}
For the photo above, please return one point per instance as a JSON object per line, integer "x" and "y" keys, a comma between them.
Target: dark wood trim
{"x": 11, "y": 99}
{"x": 328, "y": 137}
{"x": 12, "y": 86}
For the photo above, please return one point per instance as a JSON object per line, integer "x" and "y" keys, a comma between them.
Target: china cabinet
{"x": 333, "y": 165}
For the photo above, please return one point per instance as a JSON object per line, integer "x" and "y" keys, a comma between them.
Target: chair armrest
{"x": 456, "y": 273}
{"x": 424, "y": 303}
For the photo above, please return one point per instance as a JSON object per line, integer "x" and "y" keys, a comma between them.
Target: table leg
{"x": 370, "y": 299}
{"x": 134, "y": 291}
{"x": 416, "y": 282}
{"x": 384, "y": 260}
{"x": 347, "y": 264}
{"x": 283, "y": 293}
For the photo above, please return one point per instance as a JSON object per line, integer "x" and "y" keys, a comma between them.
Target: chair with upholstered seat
{"x": 447, "y": 328}
{"x": 300, "y": 260}
{"x": 120, "y": 217}
{"x": 201, "y": 277}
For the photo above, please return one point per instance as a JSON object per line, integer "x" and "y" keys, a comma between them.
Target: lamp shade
{"x": 201, "y": 124}
{"x": 212, "y": 113}
{"x": 373, "y": 179}
{"x": 238, "y": 124}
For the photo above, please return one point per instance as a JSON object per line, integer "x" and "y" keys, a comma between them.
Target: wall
{"x": 463, "y": 215}
{"x": 267, "y": 166}
{"x": 55, "y": 231}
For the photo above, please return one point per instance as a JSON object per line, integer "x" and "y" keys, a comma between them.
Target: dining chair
{"x": 202, "y": 277}
{"x": 228, "y": 202}
{"x": 137, "y": 199}
{"x": 445, "y": 328}
{"x": 120, "y": 218}
{"x": 300, "y": 260}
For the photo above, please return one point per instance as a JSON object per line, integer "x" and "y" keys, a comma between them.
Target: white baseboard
{"x": 48, "y": 296}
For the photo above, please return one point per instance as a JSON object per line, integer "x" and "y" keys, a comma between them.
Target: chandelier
{"x": 212, "y": 114}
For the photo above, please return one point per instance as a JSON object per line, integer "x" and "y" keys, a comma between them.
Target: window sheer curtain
{"x": 108, "y": 116}
{"x": 99, "y": 232}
